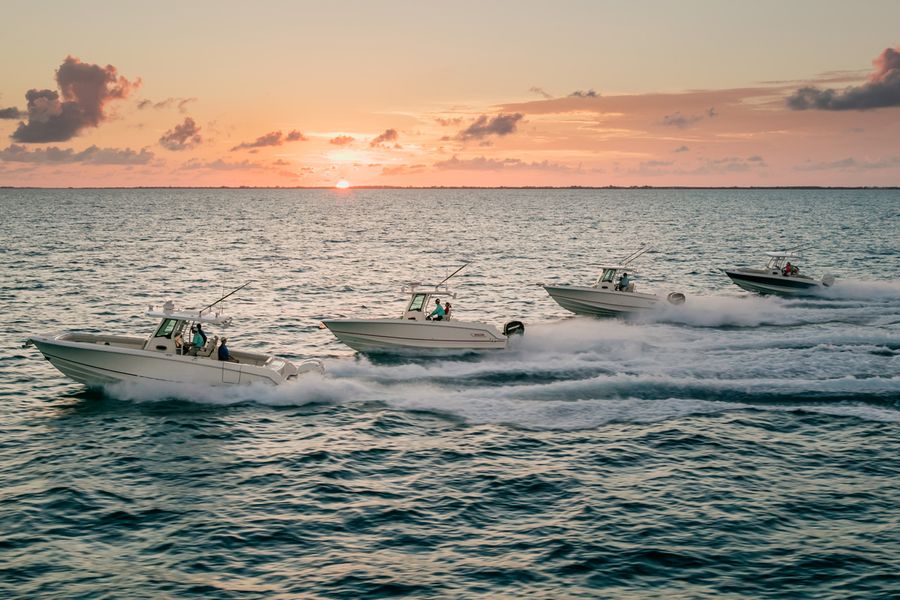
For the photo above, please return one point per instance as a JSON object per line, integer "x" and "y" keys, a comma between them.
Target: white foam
{"x": 725, "y": 311}
{"x": 851, "y": 289}
{"x": 310, "y": 389}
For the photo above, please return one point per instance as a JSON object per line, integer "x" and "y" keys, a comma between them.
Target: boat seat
{"x": 209, "y": 348}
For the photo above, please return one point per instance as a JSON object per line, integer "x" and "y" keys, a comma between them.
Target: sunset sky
{"x": 594, "y": 93}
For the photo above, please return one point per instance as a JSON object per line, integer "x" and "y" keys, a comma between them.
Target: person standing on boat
{"x": 438, "y": 313}
{"x": 788, "y": 269}
{"x": 623, "y": 282}
{"x": 447, "y": 311}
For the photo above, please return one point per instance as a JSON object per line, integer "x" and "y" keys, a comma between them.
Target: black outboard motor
{"x": 676, "y": 298}
{"x": 514, "y": 328}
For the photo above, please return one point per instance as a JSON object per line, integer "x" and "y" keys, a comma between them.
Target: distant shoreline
{"x": 461, "y": 187}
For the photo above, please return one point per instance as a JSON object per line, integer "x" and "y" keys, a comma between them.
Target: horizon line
{"x": 458, "y": 187}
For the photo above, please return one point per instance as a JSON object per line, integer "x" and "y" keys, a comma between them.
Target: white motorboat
{"x": 97, "y": 359}
{"x": 780, "y": 276}
{"x": 608, "y": 297}
{"x": 414, "y": 332}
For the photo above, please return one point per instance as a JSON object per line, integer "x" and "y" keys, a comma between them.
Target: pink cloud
{"x": 182, "y": 137}
{"x": 880, "y": 91}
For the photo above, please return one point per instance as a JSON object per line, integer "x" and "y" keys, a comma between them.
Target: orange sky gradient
{"x": 395, "y": 93}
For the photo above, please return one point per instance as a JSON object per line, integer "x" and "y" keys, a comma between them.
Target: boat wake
{"x": 720, "y": 354}
{"x": 871, "y": 291}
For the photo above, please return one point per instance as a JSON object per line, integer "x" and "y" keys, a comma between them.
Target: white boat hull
{"x": 96, "y": 365}
{"x": 761, "y": 282}
{"x": 387, "y": 335}
{"x": 600, "y": 302}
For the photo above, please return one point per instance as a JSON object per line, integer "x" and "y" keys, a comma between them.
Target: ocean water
{"x": 735, "y": 446}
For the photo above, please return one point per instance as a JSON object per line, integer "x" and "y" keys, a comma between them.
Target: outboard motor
{"x": 676, "y": 298}
{"x": 514, "y": 328}
{"x": 828, "y": 280}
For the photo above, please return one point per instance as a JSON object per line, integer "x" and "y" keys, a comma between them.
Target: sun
{"x": 343, "y": 184}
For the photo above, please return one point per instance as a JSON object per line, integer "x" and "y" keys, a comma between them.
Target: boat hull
{"x": 598, "y": 302}
{"x": 767, "y": 283}
{"x": 392, "y": 335}
{"x": 96, "y": 365}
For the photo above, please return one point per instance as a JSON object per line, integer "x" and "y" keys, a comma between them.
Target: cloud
{"x": 221, "y": 165}
{"x": 341, "y": 140}
{"x": 502, "y": 124}
{"x": 449, "y": 122}
{"x": 182, "y": 137}
{"x": 582, "y": 94}
{"x": 11, "y": 113}
{"x": 403, "y": 170}
{"x": 681, "y": 149}
{"x": 181, "y": 103}
{"x": 851, "y": 164}
{"x": 389, "y": 135}
{"x": 91, "y": 155}
{"x": 730, "y": 164}
{"x": 85, "y": 90}
{"x": 482, "y": 163}
{"x": 681, "y": 121}
{"x": 540, "y": 92}
{"x": 274, "y": 138}
{"x": 880, "y": 91}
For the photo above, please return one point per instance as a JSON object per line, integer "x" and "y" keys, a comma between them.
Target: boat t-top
{"x": 167, "y": 355}
{"x": 612, "y": 294}
{"x": 417, "y": 330}
{"x": 781, "y": 275}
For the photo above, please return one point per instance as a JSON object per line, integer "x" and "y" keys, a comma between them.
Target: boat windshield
{"x": 166, "y": 328}
{"x": 608, "y": 275}
{"x": 417, "y": 302}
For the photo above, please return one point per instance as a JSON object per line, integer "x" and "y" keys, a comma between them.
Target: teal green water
{"x": 734, "y": 446}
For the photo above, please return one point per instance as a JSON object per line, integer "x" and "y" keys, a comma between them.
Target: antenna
{"x": 237, "y": 289}
{"x": 454, "y": 273}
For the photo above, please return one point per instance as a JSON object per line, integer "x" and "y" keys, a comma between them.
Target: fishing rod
{"x": 634, "y": 255}
{"x": 235, "y": 290}
{"x": 454, "y": 273}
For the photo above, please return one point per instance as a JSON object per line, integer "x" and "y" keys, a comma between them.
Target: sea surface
{"x": 736, "y": 446}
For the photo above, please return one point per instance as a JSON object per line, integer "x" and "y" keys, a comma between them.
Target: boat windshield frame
{"x": 412, "y": 306}
{"x": 167, "y": 327}
{"x": 608, "y": 275}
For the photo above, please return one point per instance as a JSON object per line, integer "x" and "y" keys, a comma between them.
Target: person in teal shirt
{"x": 199, "y": 339}
{"x": 438, "y": 313}
{"x": 623, "y": 282}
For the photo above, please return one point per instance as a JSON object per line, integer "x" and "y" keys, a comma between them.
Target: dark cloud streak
{"x": 182, "y": 137}
{"x": 482, "y": 127}
{"x": 90, "y": 155}
{"x": 389, "y": 135}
